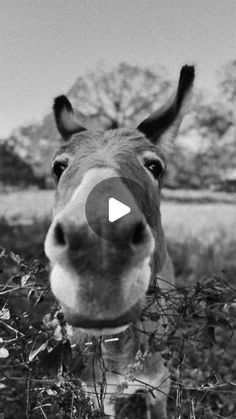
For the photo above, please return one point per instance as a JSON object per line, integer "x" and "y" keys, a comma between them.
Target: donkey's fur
{"x": 102, "y": 285}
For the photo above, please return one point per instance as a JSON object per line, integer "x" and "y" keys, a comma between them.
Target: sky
{"x": 46, "y": 44}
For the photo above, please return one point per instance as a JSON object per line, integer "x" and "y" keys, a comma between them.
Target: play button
{"x": 111, "y": 207}
{"x": 116, "y": 209}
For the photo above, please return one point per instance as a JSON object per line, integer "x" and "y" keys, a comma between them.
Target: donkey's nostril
{"x": 59, "y": 235}
{"x": 139, "y": 233}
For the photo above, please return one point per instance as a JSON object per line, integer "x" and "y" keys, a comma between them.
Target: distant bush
{"x": 26, "y": 240}
{"x": 15, "y": 172}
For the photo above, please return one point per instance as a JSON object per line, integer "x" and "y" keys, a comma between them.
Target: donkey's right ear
{"x": 66, "y": 121}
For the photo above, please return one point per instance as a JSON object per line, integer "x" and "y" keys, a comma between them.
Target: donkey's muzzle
{"x": 100, "y": 269}
{"x": 69, "y": 239}
{"x": 100, "y": 283}
{"x": 84, "y": 224}
{"x": 128, "y": 232}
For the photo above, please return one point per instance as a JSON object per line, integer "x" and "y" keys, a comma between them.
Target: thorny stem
{"x": 12, "y": 329}
{"x": 27, "y": 412}
{"x": 72, "y": 402}
{"x": 179, "y": 385}
{"x": 97, "y": 353}
{"x": 192, "y": 410}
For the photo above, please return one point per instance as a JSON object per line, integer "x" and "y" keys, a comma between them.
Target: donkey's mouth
{"x": 111, "y": 331}
{"x": 104, "y": 326}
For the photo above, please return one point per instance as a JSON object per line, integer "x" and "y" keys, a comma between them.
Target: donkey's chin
{"x": 123, "y": 308}
{"x": 103, "y": 327}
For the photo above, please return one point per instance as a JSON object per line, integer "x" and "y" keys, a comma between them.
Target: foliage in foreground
{"x": 41, "y": 360}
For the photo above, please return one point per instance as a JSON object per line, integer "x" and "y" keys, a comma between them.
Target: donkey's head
{"x": 101, "y": 279}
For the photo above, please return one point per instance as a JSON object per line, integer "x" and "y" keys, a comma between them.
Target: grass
{"x": 201, "y": 236}
{"x": 23, "y": 206}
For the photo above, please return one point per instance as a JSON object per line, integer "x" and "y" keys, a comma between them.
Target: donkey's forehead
{"x": 110, "y": 144}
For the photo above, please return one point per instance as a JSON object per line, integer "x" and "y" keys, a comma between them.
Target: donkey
{"x": 101, "y": 283}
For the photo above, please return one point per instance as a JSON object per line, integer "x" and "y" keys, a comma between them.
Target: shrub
{"x": 42, "y": 360}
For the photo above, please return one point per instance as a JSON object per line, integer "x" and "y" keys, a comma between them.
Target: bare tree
{"x": 120, "y": 96}
{"x": 227, "y": 82}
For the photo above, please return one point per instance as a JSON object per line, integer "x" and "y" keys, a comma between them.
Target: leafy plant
{"x": 42, "y": 359}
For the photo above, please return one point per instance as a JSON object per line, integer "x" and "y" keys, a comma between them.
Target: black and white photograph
{"x": 117, "y": 209}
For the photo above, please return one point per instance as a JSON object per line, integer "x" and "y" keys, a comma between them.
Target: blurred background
{"x": 117, "y": 61}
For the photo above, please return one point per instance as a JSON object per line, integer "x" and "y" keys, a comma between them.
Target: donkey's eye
{"x": 156, "y": 167}
{"x": 58, "y": 168}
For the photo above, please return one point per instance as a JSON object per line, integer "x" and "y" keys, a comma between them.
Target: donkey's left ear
{"x": 66, "y": 121}
{"x": 166, "y": 121}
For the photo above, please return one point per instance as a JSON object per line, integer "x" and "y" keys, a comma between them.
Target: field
{"x": 201, "y": 236}
{"x": 202, "y": 242}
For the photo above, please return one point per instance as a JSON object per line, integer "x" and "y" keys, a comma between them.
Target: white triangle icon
{"x": 116, "y": 209}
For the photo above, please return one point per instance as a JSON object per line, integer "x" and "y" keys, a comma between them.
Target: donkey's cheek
{"x": 136, "y": 282}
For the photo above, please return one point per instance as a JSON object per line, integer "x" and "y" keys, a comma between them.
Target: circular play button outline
{"x": 111, "y": 203}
